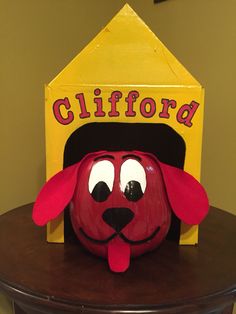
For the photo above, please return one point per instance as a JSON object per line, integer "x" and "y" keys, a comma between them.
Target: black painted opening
{"x": 158, "y": 139}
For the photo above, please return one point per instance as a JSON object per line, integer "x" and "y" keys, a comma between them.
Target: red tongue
{"x": 118, "y": 255}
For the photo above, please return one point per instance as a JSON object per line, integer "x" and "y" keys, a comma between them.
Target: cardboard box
{"x": 125, "y": 76}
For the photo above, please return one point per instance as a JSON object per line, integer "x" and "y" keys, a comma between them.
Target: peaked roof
{"x": 125, "y": 52}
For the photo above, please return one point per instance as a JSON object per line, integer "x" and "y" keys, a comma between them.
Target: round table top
{"x": 67, "y": 276}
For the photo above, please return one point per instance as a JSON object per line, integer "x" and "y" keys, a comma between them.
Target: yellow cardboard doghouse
{"x": 124, "y": 75}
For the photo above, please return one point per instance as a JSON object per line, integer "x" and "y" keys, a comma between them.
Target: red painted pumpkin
{"x": 121, "y": 202}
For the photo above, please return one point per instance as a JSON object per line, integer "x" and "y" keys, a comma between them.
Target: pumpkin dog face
{"x": 121, "y": 203}
{"x": 117, "y": 210}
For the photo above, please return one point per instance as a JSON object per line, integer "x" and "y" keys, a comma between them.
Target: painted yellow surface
{"x": 124, "y": 56}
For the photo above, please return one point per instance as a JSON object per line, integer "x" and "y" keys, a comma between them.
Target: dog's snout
{"x": 117, "y": 217}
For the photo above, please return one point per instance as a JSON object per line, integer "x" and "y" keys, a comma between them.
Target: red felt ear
{"x": 55, "y": 195}
{"x": 186, "y": 195}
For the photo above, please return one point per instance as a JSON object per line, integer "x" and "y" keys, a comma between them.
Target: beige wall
{"x": 38, "y": 38}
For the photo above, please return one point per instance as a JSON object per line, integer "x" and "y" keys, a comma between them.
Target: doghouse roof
{"x": 125, "y": 52}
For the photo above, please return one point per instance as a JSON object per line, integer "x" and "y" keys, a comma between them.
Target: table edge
{"x": 226, "y": 296}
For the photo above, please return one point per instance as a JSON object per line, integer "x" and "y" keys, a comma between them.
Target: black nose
{"x": 118, "y": 217}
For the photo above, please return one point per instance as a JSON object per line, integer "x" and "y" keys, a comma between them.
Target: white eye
{"x": 133, "y": 179}
{"x": 101, "y": 180}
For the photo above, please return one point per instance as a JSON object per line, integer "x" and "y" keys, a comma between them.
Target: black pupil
{"x": 100, "y": 192}
{"x": 133, "y": 191}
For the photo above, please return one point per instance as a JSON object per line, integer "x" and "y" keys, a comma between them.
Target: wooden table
{"x": 58, "y": 278}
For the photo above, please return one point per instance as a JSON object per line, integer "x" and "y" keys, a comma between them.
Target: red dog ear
{"x": 55, "y": 195}
{"x": 186, "y": 195}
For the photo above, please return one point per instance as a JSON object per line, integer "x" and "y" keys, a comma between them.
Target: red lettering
{"x": 57, "y": 111}
{"x": 115, "y": 97}
{"x": 98, "y": 101}
{"x": 84, "y": 113}
{"x": 130, "y": 99}
{"x": 148, "y": 102}
{"x": 186, "y": 113}
{"x": 166, "y": 104}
